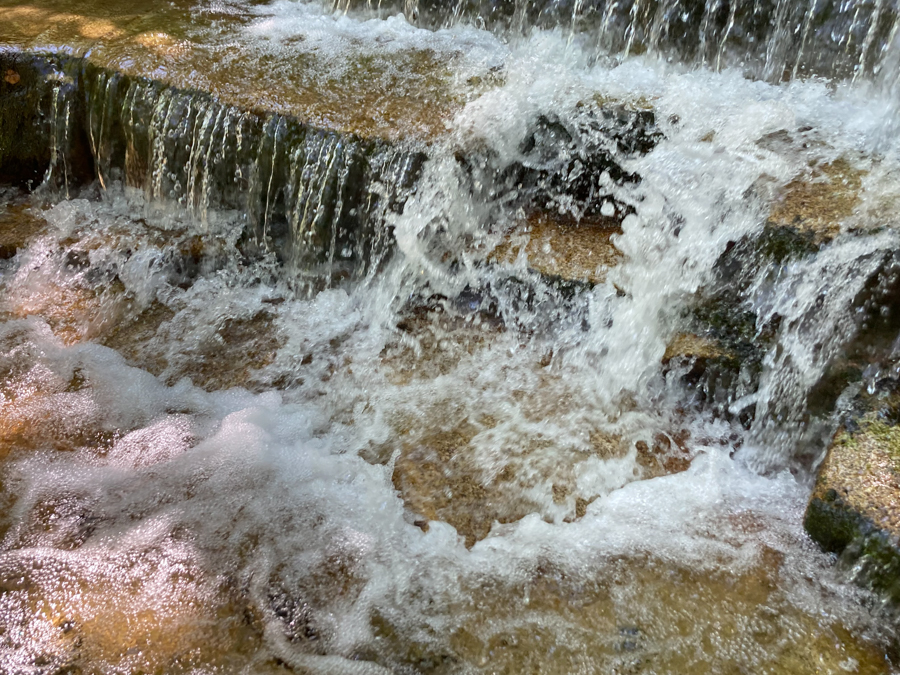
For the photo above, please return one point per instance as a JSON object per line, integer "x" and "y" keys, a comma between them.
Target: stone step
{"x": 390, "y": 88}
{"x": 314, "y": 196}
{"x": 313, "y": 140}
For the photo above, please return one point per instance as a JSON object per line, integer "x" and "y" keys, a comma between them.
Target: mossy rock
{"x": 805, "y": 215}
{"x": 854, "y": 510}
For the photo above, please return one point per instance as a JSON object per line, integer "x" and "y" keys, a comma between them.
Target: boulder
{"x": 854, "y": 510}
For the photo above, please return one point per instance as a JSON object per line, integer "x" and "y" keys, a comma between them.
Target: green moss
{"x": 844, "y": 515}
{"x": 837, "y": 528}
{"x": 780, "y": 244}
{"x": 831, "y": 523}
{"x": 888, "y": 437}
{"x": 884, "y": 434}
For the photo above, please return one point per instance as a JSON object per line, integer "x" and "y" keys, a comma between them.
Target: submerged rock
{"x": 480, "y": 470}
{"x": 19, "y": 223}
{"x": 130, "y": 611}
{"x": 638, "y": 615}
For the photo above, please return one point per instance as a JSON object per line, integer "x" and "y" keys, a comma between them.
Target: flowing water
{"x": 284, "y": 401}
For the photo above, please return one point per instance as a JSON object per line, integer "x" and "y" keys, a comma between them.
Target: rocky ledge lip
{"x": 349, "y": 83}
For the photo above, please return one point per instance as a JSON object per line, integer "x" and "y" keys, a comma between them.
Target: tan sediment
{"x": 692, "y": 345}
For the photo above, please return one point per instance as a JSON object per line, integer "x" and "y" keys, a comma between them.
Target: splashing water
{"x": 226, "y": 452}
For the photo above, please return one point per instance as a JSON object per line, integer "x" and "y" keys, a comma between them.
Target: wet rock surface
{"x": 855, "y": 508}
{"x": 216, "y": 468}
{"x": 91, "y": 620}
{"x": 195, "y": 46}
{"x": 801, "y": 218}
{"x": 555, "y": 246}
{"x": 479, "y": 470}
{"x": 617, "y": 625}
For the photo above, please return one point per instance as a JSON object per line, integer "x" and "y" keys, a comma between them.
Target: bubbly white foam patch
{"x": 547, "y": 71}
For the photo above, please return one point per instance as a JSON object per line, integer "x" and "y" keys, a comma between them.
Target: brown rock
{"x": 559, "y": 246}
{"x": 692, "y": 345}
{"x": 818, "y": 202}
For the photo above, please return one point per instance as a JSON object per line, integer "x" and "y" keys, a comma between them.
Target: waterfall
{"x": 499, "y": 336}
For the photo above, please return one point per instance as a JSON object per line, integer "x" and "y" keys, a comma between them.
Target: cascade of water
{"x": 61, "y": 112}
{"x": 159, "y": 156}
{"x": 868, "y": 41}
{"x": 266, "y": 161}
{"x": 633, "y": 25}
{"x": 815, "y": 299}
{"x": 605, "y": 37}
{"x": 706, "y": 36}
{"x": 576, "y": 12}
{"x": 310, "y": 197}
{"x": 314, "y": 183}
{"x": 520, "y": 17}
{"x": 779, "y": 41}
{"x": 770, "y": 39}
{"x": 658, "y": 29}
{"x": 99, "y": 104}
{"x": 804, "y": 36}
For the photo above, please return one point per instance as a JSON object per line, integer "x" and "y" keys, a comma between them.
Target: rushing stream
{"x": 283, "y": 401}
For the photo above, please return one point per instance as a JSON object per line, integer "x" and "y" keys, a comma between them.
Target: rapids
{"x": 237, "y": 436}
